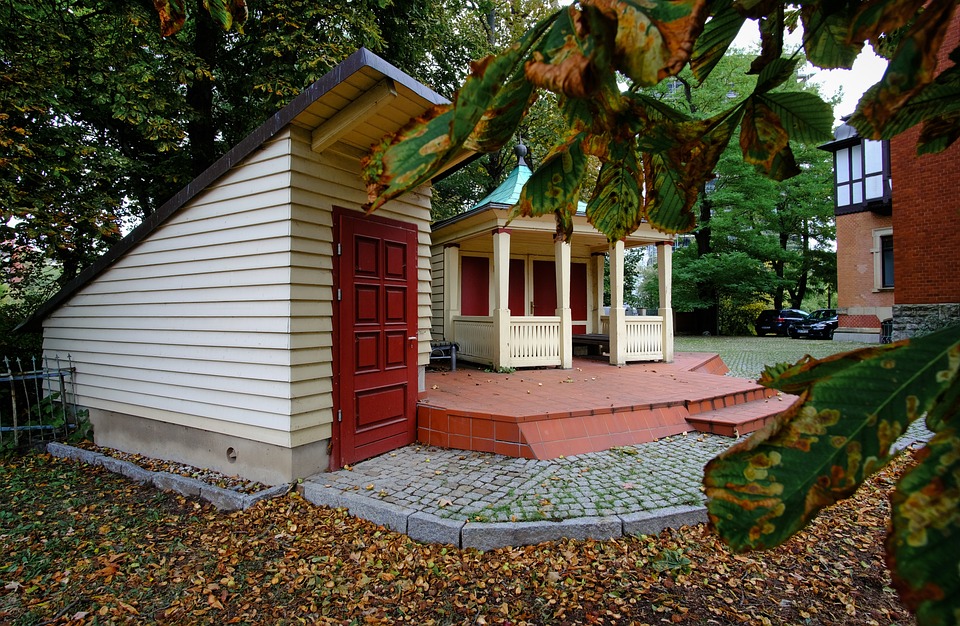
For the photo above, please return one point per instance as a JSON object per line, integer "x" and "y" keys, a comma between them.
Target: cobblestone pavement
{"x": 747, "y": 356}
{"x": 479, "y": 487}
{"x": 483, "y": 500}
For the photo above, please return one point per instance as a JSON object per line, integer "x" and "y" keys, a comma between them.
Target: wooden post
{"x": 596, "y": 323}
{"x": 451, "y": 290}
{"x": 501, "y": 302}
{"x": 665, "y": 276}
{"x": 618, "y": 320}
{"x": 561, "y": 255}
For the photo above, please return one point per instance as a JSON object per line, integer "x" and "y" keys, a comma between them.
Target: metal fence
{"x": 38, "y": 401}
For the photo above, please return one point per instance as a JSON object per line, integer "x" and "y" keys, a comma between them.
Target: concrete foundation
{"x": 254, "y": 460}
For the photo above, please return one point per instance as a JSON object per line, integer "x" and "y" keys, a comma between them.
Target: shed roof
{"x": 359, "y": 73}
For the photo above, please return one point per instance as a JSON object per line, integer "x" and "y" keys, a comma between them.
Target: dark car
{"x": 820, "y": 325}
{"x": 778, "y": 320}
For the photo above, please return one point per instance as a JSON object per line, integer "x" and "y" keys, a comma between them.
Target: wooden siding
{"x": 320, "y": 182}
{"x": 436, "y": 293}
{"x": 193, "y": 325}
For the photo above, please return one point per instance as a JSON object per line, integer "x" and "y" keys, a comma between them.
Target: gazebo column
{"x": 665, "y": 276}
{"x": 501, "y": 290}
{"x": 596, "y": 321}
{"x": 618, "y": 319}
{"x": 561, "y": 255}
{"x": 451, "y": 290}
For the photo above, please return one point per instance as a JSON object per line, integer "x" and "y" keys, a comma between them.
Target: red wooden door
{"x": 375, "y": 358}
{"x": 544, "y": 288}
{"x": 545, "y": 291}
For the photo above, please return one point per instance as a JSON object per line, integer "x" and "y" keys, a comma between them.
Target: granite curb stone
{"x": 429, "y": 528}
{"x": 223, "y": 499}
{"x": 652, "y": 522}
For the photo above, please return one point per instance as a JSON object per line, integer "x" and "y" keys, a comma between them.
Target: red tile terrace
{"x": 548, "y": 413}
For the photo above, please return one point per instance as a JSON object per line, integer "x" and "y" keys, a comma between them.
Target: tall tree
{"x": 102, "y": 118}
{"x": 655, "y": 159}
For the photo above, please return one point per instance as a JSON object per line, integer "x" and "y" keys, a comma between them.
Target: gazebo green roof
{"x": 507, "y": 193}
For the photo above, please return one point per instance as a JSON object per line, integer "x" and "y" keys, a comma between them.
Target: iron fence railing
{"x": 38, "y": 401}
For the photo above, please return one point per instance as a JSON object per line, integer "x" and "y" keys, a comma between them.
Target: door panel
{"x": 474, "y": 285}
{"x": 544, "y": 288}
{"x": 578, "y": 296}
{"x": 375, "y": 359}
{"x": 516, "y": 294}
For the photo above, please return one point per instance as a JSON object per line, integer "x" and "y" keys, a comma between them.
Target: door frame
{"x": 336, "y": 448}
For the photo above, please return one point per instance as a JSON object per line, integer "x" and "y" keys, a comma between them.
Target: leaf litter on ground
{"x": 84, "y": 546}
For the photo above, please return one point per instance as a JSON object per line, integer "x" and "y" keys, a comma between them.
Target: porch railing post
{"x": 561, "y": 253}
{"x": 501, "y": 310}
{"x": 665, "y": 276}
{"x": 451, "y": 290}
{"x": 618, "y": 321}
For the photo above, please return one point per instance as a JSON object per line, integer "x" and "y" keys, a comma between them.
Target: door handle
{"x": 411, "y": 338}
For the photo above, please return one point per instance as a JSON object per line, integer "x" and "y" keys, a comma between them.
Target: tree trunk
{"x": 201, "y": 130}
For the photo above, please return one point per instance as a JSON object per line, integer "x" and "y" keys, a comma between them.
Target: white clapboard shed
{"x": 259, "y": 323}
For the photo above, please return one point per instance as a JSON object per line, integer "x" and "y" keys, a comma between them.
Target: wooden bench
{"x": 595, "y": 343}
{"x": 444, "y": 350}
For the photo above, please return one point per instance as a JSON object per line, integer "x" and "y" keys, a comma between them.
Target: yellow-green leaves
{"x": 226, "y": 13}
{"x": 923, "y": 548}
{"x": 911, "y": 68}
{"x": 555, "y": 186}
{"x": 654, "y": 39}
{"x": 852, "y": 408}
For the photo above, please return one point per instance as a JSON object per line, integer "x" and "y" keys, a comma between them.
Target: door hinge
{"x": 339, "y": 415}
{"x": 339, "y": 249}
{"x": 339, "y": 295}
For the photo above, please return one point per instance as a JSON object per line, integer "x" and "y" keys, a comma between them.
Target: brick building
{"x": 898, "y": 231}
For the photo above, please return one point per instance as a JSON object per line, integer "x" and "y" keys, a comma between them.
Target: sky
{"x": 867, "y": 70}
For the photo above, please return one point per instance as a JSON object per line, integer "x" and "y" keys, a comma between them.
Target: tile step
{"x": 740, "y": 419}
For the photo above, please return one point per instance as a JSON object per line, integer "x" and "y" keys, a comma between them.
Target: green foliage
{"x": 672, "y": 561}
{"x": 565, "y": 56}
{"x": 764, "y": 489}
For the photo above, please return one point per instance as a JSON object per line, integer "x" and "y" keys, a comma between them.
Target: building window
{"x": 886, "y": 261}
{"x": 882, "y": 258}
{"x": 859, "y": 173}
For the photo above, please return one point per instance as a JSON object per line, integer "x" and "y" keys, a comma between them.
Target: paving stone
{"x": 128, "y": 469}
{"x": 652, "y": 522}
{"x": 383, "y": 513}
{"x": 429, "y": 528}
{"x": 224, "y": 499}
{"x": 184, "y": 485}
{"x": 322, "y": 495}
{"x": 78, "y": 454}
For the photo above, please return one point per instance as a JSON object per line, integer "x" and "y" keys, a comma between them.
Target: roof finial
{"x": 521, "y": 151}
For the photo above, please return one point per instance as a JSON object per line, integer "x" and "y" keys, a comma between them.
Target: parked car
{"x": 820, "y": 325}
{"x": 778, "y": 321}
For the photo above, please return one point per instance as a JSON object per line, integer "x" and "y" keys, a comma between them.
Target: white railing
{"x": 534, "y": 341}
{"x": 475, "y": 338}
{"x": 644, "y": 340}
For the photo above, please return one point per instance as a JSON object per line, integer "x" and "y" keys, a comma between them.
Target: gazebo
{"x": 511, "y": 295}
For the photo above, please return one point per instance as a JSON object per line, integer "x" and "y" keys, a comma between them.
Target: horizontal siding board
{"x": 221, "y": 358}
{"x": 263, "y": 215}
{"x": 243, "y": 238}
{"x": 225, "y": 295}
{"x": 252, "y": 309}
{"x": 214, "y": 254}
{"x": 242, "y": 371}
{"x": 199, "y": 280}
{"x": 215, "y": 339}
{"x": 249, "y": 410}
{"x": 91, "y": 325}
{"x": 127, "y": 270}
